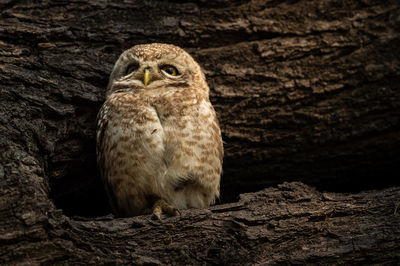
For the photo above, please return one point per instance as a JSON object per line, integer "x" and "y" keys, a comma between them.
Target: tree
{"x": 304, "y": 90}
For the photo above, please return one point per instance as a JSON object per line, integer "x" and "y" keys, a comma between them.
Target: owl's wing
{"x": 102, "y": 126}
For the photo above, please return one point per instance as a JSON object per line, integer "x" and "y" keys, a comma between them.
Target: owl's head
{"x": 154, "y": 66}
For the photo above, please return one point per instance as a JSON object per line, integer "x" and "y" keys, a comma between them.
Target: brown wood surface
{"x": 304, "y": 90}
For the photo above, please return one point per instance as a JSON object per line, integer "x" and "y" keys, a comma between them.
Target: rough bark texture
{"x": 304, "y": 90}
{"x": 291, "y": 224}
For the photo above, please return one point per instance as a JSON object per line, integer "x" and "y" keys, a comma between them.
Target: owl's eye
{"x": 170, "y": 70}
{"x": 131, "y": 68}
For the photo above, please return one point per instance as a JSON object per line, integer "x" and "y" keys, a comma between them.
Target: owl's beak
{"x": 146, "y": 78}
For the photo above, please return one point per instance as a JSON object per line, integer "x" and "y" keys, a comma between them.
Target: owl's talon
{"x": 161, "y": 206}
{"x": 156, "y": 216}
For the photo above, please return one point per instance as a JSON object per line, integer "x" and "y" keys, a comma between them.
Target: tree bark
{"x": 290, "y": 224}
{"x": 304, "y": 90}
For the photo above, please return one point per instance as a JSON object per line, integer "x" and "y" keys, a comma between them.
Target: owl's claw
{"x": 161, "y": 206}
{"x": 156, "y": 216}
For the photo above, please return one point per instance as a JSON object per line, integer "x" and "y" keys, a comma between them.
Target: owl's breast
{"x": 132, "y": 137}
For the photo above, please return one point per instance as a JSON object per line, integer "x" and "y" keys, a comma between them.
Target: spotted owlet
{"x": 159, "y": 146}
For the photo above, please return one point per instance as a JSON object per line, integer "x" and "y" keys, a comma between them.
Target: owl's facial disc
{"x": 169, "y": 67}
{"x": 148, "y": 72}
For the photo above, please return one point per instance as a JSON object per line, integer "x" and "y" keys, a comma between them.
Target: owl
{"x": 159, "y": 146}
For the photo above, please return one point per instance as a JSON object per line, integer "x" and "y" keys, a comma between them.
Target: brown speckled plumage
{"x": 160, "y": 141}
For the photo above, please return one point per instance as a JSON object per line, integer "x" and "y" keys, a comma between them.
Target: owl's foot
{"x": 161, "y": 206}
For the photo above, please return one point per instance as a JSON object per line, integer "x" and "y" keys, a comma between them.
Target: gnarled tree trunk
{"x": 304, "y": 90}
